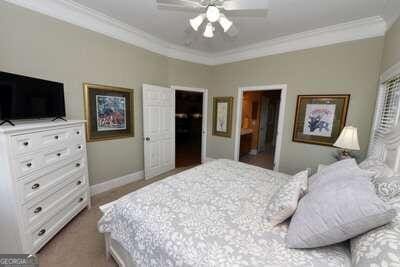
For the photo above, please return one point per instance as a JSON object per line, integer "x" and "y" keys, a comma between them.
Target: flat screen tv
{"x": 23, "y": 97}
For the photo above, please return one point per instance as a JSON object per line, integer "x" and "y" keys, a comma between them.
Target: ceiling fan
{"x": 214, "y": 12}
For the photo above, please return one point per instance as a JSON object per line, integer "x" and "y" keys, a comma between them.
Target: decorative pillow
{"x": 387, "y": 187}
{"x": 336, "y": 212}
{"x": 344, "y": 169}
{"x": 284, "y": 202}
{"x": 302, "y": 178}
{"x": 378, "y": 247}
{"x": 376, "y": 168}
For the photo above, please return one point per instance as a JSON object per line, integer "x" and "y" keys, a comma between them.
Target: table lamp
{"x": 348, "y": 140}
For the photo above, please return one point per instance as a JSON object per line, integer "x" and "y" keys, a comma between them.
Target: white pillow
{"x": 284, "y": 202}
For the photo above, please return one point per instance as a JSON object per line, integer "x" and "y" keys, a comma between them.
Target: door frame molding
{"x": 241, "y": 90}
{"x": 204, "y": 116}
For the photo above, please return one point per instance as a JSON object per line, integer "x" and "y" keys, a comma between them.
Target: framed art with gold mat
{"x": 109, "y": 112}
{"x": 320, "y": 118}
{"x": 222, "y": 116}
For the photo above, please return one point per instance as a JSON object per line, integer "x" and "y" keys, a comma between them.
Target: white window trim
{"x": 390, "y": 73}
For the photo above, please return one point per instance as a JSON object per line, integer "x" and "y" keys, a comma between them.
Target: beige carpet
{"x": 79, "y": 243}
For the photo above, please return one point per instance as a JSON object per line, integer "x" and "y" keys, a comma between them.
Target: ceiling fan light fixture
{"x": 213, "y": 14}
{"x": 209, "y": 31}
{"x": 197, "y": 21}
{"x": 225, "y": 23}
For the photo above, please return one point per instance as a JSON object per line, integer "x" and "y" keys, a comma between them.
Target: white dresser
{"x": 43, "y": 182}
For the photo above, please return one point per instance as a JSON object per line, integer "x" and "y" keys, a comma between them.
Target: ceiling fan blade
{"x": 233, "y": 31}
{"x": 188, "y": 4}
{"x": 245, "y": 4}
{"x": 246, "y": 8}
{"x": 255, "y": 13}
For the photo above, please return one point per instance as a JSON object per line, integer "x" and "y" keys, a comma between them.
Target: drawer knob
{"x": 78, "y": 132}
{"x": 56, "y": 137}
{"x": 58, "y": 154}
{"x": 37, "y": 210}
{"x": 42, "y": 232}
{"x": 35, "y": 186}
{"x": 79, "y": 183}
{"x": 77, "y": 165}
{"x": 26, "y": 143}
{"x": 79, "y": 147}
{"x": 29, "y": 164}
{"x": 81, "y": 199}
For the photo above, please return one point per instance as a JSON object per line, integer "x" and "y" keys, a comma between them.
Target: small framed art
{"x": 222, "y": 116}
{"x": 320, "y": 118}
{"x": 108, "y": 111}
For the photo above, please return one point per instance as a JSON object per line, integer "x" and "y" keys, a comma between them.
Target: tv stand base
{"x": 7, "y": 121}
{"x": 58, "y": 118}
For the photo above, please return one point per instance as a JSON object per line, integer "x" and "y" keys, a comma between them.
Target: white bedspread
{"x": 211, "y": 215}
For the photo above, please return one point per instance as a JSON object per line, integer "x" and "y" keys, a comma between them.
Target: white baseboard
{"x": 209, "y": 159}
{"x": 116, "y": 182}
{"x": 253, "y": 152}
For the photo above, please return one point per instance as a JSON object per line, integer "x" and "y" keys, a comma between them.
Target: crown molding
{"x": 344, "y": 32}
{"x": 74, "y": 13}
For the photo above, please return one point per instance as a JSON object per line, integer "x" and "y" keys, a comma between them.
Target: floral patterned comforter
{"x": 210, "y": 215}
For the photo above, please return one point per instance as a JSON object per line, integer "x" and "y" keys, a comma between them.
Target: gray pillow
{"x": 284, "y": 202}
{"x": 336, "y": 212}
{"x": 378, "y": 247}
{"x": 344, "y": 169}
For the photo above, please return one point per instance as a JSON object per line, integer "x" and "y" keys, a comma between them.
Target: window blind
{"x": 388, "y": 112}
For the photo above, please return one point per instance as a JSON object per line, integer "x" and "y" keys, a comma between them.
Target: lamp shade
{"x": 209, "y": 31}
{"x": 197, "y": 21}
{"x": 225, "y": 23}
{"x": 348, "y": 139}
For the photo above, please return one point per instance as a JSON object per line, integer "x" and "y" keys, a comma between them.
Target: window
{"x": 386, "y": 114}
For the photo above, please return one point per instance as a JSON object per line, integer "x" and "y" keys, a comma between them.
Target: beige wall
{"x": 347, "y": 68}
{"x": 36, "y": 45}
{"x": 40, "y": 46}
{"x": 391, "y": 51}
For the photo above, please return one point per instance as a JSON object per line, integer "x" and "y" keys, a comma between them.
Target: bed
{"x": 211, "y": 215}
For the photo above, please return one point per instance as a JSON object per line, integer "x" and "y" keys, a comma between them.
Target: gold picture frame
{"x": 320, "y": 119}
{"x": 109, "y": 112}
{"x": 222, "y": 116}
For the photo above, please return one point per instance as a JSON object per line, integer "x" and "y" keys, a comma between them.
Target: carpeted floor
{"x": 79, "y": 243}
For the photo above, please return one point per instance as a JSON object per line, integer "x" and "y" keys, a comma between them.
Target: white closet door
{"x": 158, "y": 129}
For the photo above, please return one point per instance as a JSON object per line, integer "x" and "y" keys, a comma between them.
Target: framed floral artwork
{"x": 108, "y": 112}
{"x": 222, "y": 116}
{"x": 320, "y": 118}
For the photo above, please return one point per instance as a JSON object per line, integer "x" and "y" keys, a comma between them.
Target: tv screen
{"x": 24, "y": 97}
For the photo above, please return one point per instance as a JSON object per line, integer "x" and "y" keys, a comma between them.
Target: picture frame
{"x": 320, "y": 119}
{"x": 222, "y": 116}
{"x": 109, "y": 112}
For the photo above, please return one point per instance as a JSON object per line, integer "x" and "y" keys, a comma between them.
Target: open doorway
{"x": 188, "y": 128}
{"x": 259, "y": 125}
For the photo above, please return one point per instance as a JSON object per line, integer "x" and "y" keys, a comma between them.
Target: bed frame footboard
{"x": 120, "y": 255}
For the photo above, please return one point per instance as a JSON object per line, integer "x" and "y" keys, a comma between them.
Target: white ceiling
{"x": 285, "y": 17}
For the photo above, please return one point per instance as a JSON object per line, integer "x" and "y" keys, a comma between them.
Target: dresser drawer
{"x": 27, "y": 143}
{"x": 24, "y": 143}
{"x": 35, "y": 186}
{"x": 38, "y": 236}
{"x": 39, "y": 211}
{"x": 27, "y": 164}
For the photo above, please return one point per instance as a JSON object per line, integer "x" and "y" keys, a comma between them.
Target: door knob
{"x": 147, "y": 138}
